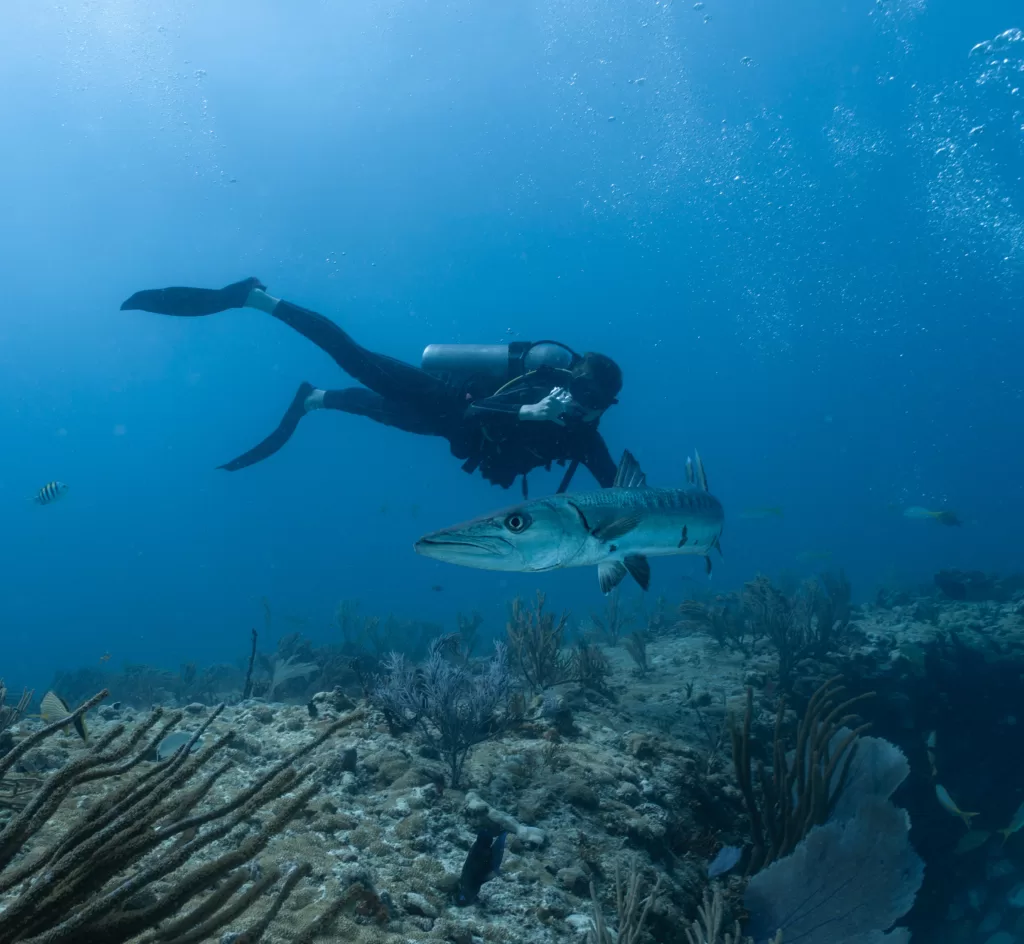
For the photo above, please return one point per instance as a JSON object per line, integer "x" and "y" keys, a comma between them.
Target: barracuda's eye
{"x": 517, "y": 521}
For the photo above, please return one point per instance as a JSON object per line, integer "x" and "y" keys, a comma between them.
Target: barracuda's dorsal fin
{"x": 629, "y": 474}
{"x": 702, "y": 478}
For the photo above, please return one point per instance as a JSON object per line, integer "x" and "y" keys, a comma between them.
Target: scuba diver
{"x": 505, "y": 409}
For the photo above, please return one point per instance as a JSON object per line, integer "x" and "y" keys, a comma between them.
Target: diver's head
{"x": 596, "y": 382}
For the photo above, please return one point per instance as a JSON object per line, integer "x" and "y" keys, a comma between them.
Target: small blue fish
{"x": 725, "y": 861}
{"x": 482, "y": 864}
{"x": 174, "y": 742}
{"x": 50, "y": 492}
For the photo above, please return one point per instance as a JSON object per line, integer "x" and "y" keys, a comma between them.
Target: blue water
{"x": 808, "y": 265}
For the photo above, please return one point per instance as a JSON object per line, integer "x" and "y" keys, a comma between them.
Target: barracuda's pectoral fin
{"x": 614, "y": 529}
{"x": 707, "y": 566}
{"x": 639, "y": 569}
{"x": 610, "y": 574}
{"x": 629, "y": 474}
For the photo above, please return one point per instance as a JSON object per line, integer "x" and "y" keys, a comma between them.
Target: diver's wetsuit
{"x": 486, "y": 432}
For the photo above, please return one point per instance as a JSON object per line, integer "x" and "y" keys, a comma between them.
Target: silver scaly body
{"x": 615, "y": 529}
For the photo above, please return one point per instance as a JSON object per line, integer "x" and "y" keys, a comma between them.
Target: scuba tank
{"x": 482, "y": 370}
{"x": 496, "y": 364}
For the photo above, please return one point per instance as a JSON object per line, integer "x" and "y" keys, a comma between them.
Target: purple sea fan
{"x": 846, "y": 883}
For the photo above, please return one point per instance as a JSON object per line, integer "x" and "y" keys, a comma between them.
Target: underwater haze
{"x": 797, "y": 226}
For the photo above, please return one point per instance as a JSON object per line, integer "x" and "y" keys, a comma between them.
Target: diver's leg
{"x": 392, "y": 379}
{"x": 356, "y": 400}
{"x": 385, "y": 375}
{"x": 363, "y": 402}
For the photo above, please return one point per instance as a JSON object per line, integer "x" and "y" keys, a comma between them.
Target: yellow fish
{"x": 930, "y": 744}
{"x": 1016, "y": 823}
{"x": 945, "y": 517}
{"x": 53, "y": 708}
{"x": 947, "y": 803}
{"x": 773, "y": 511}
{"x": 975, "y": 839}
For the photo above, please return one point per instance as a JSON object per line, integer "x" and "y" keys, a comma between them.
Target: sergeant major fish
{"x": 615, "y": 529}
{"x": 50, "y": 492}
{"x": 482, "y": 864}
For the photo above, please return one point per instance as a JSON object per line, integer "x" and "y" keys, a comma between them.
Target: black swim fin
{"x": 191, "y": 302}
{"x": 279, "y": 436}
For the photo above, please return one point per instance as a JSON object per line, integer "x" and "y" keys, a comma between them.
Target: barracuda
{"x": 615, "y": 529}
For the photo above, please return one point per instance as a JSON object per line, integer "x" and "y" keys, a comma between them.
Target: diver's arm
{"x": 598, "y": 459}
{"x": 493, "y": 409}
{"x": 550, "y": 409}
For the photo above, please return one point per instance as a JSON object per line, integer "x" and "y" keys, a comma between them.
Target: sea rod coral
{"x": 151, "y": 859}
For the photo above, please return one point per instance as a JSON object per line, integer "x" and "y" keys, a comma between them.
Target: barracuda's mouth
{"x": 445, "y": 547}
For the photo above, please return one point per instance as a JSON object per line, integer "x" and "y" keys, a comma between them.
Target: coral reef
{"x": 607, "y": 754}
{"x": 973, "y": 586}
{"x": 810, "y": 621}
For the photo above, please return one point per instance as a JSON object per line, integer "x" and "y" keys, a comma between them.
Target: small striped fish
{"x": 50, "y": 492}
